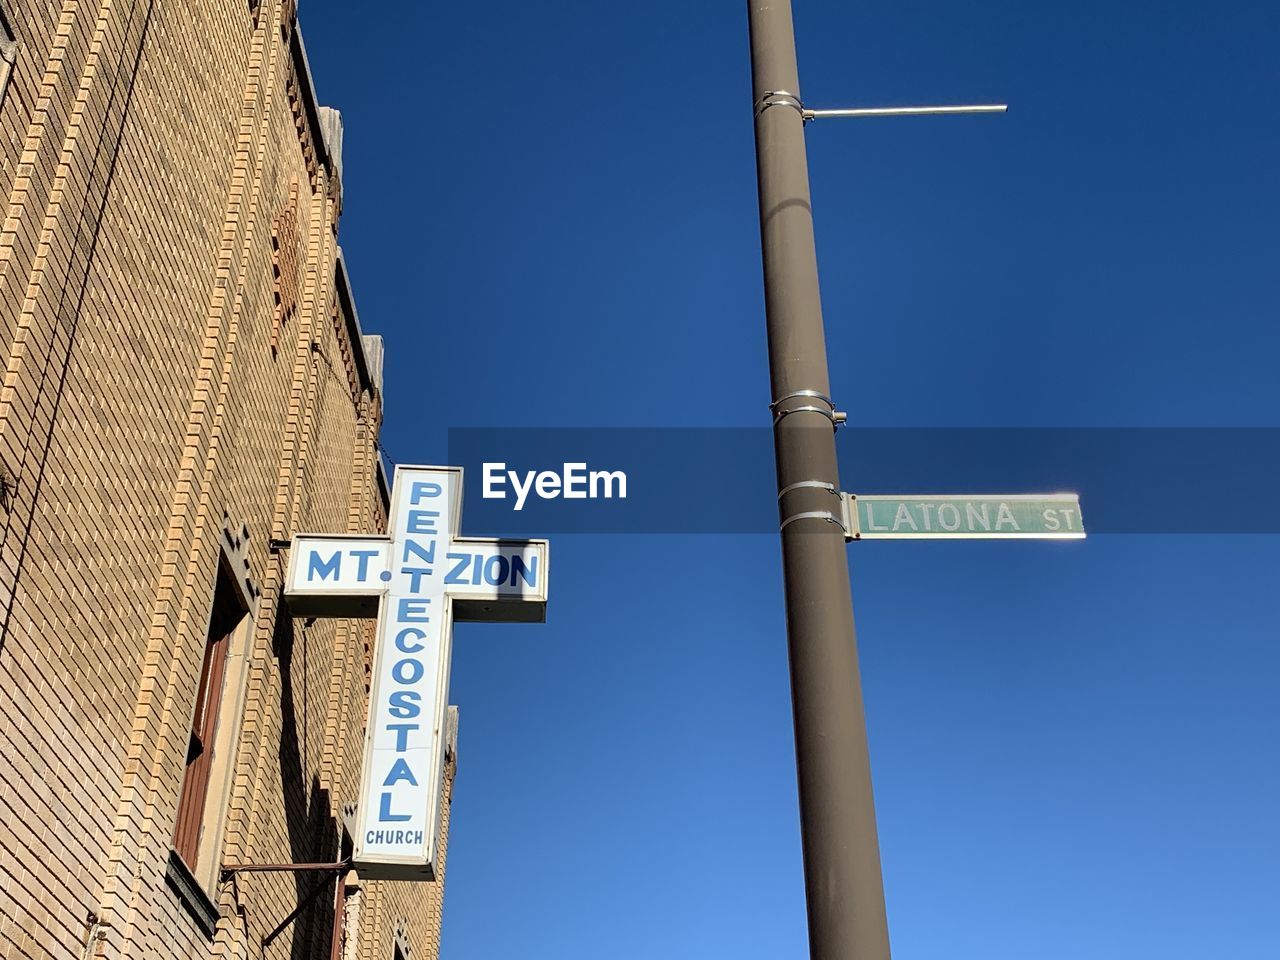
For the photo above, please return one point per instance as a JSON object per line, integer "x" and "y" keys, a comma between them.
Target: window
{"x": 228, "y": 614}
{"x": 8, "y": 52}
{"x": 195, "y": 861}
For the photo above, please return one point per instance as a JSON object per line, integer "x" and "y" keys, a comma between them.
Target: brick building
{"x": 186, "y": 386}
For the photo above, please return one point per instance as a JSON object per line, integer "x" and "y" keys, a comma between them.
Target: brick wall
{"x": 180, "y": 359}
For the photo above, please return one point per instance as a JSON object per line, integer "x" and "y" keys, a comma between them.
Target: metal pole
{"x": 907, "y": 111}
{"x": 843, "y": 886}
{"x": 233, "y": 868}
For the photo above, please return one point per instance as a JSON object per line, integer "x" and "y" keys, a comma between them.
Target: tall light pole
{"x": 843, "y": 885}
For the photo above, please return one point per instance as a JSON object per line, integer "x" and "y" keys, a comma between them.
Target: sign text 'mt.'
{"x": 416, "y": 580}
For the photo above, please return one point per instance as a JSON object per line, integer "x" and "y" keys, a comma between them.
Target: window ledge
{"x": 181, "y": 881}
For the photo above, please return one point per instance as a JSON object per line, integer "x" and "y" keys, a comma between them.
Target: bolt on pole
{"x": 843, "y": 885}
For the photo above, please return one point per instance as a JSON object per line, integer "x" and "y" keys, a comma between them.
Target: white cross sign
{"x": 416, "y": 580}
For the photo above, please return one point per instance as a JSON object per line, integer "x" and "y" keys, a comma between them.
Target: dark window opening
{"x": 225, "y": 618}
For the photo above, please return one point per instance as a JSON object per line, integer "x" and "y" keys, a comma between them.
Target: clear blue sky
{"x": 550, "y": 215}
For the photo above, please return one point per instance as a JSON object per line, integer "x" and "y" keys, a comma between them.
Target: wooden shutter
{"x": 226, "y": 616}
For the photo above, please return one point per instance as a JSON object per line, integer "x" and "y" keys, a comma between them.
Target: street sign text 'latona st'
{"x": 1054, "y": 516}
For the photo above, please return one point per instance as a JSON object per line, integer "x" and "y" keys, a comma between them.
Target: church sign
{"x": 416, "y": 580}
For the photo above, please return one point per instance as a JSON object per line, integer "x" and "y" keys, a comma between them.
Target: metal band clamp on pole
{"x": 830, "y": 488}
{"x": 836, "y": 417}
{"x": 814, "y": 394}
{"x": 815, "y": 515}
{"x": 804, "y": 484}
{"x": 779, "y": 98}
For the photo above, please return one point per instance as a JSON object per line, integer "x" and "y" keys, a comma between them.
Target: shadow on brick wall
{"x": 309, "y": 818}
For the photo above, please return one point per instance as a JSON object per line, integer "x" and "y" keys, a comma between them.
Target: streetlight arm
{"x": 905, "y": 111}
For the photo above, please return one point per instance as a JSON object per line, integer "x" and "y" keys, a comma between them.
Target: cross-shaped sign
{"x": 416, "y": 580}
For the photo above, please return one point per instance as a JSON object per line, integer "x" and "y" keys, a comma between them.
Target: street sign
{"x": 417, "y": 580}
{"x": 1050, "y": 516}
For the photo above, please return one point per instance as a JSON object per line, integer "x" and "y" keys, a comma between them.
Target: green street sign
{"x": 1051, "y": 516}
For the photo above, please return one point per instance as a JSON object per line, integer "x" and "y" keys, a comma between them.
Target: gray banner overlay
{"x": 721, "y": 480}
